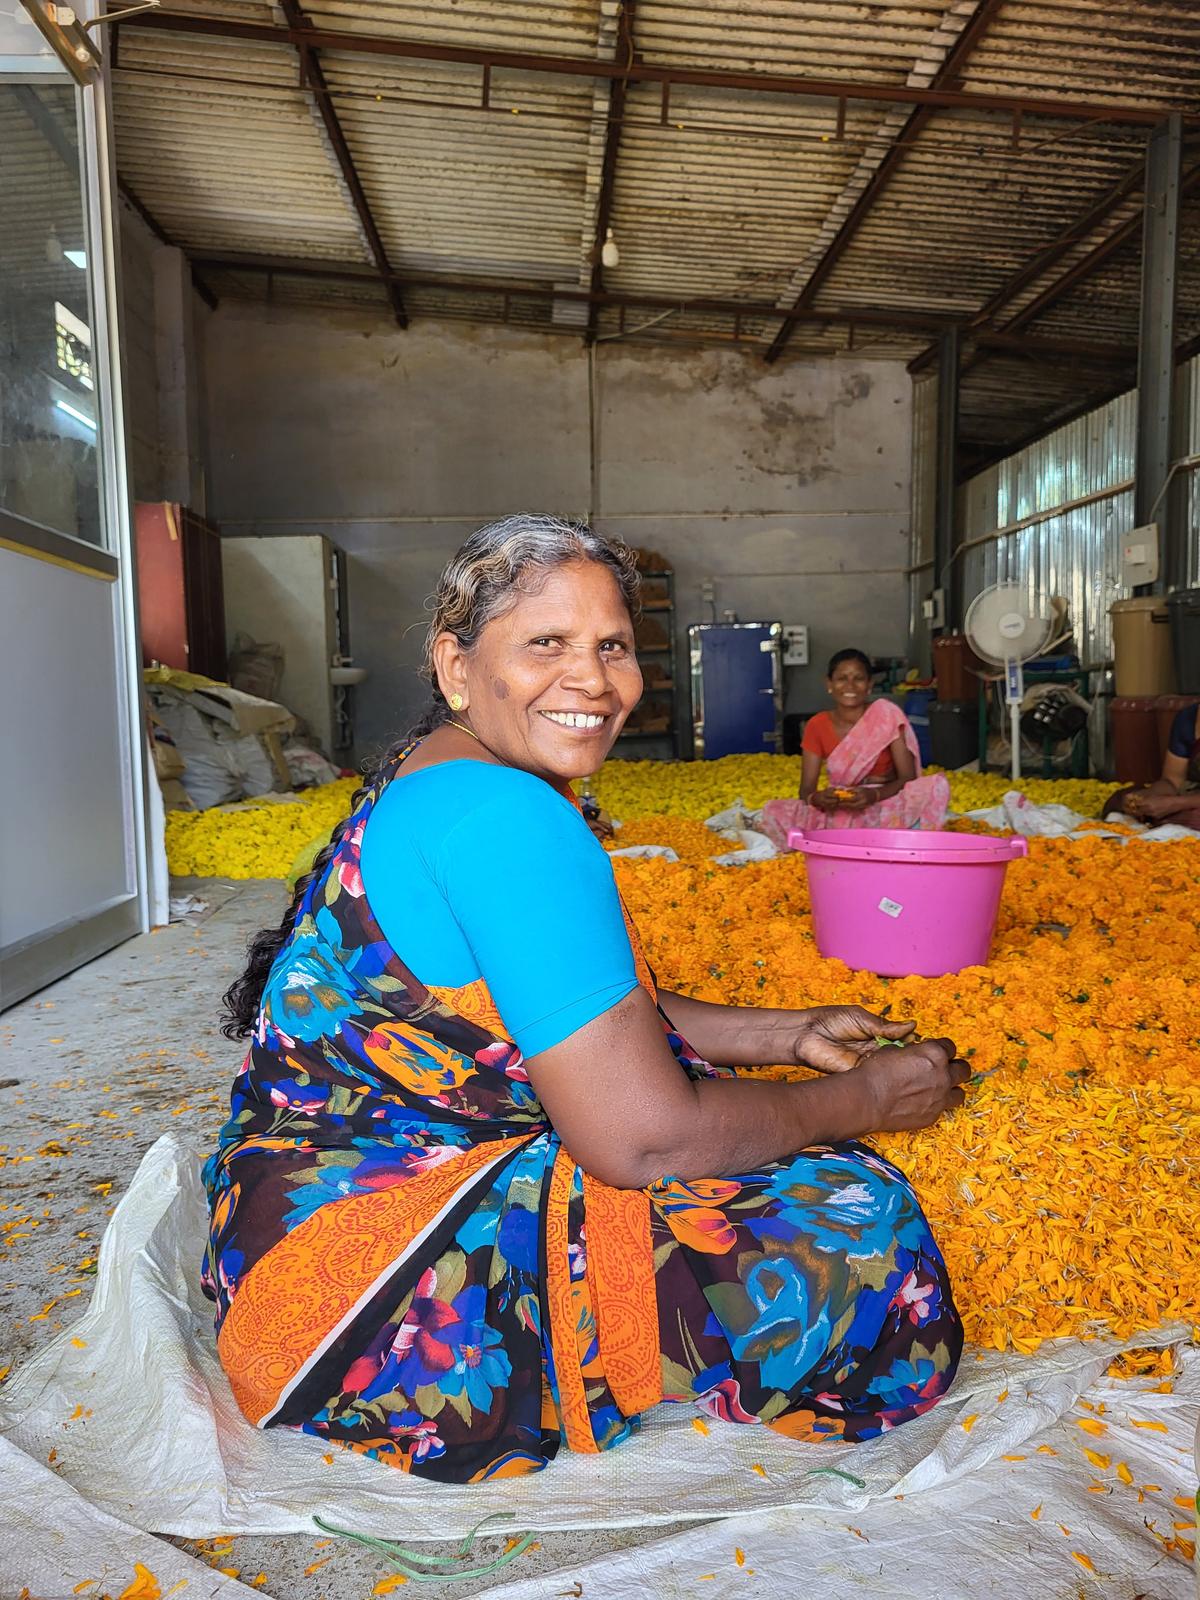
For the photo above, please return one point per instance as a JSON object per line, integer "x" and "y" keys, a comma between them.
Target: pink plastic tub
{"x": 901, "y": 902}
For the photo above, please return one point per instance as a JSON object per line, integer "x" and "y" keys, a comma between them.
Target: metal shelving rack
{"x": 664, "y": 610}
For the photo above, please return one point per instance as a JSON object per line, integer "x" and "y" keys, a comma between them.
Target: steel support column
{"x": 947, "y": 566}
{"x": 1156, "y": 346}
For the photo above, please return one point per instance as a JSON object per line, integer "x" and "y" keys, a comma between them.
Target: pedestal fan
{"x": 1004, "y": 628}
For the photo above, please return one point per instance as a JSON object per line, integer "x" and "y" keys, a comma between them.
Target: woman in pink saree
{"x": 870, "y": 754}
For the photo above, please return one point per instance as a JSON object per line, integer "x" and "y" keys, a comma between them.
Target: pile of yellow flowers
{"x": 255, "y": 838}
{"x": 262, "y": 838}
{"x": 700, "y": 789}
{"x": 1064, "y": 1192}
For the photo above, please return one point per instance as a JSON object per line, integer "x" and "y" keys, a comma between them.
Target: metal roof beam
{"x": 313, "y": 77}
{"x": 948, "y": 72}
{"x": 1082, "y": 269}
{"x": 618, "y": 91}
{"x": 916, "y": 323}
{"x": 1045, "y": 259}
{"x": 838, "y": 89}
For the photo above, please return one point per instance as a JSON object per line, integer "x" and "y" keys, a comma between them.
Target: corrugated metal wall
{"x": 1052, "y": 516}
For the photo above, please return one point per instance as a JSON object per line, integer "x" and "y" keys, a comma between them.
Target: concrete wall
{"x": 162, "y": 324}
{"x": 278, "y": 589}
{"x": 787, "y": 486}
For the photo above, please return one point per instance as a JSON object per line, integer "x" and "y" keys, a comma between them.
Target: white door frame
{"x": 48, "y": 954}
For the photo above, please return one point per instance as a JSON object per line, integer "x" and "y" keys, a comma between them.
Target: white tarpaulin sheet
{"x": 1017, "y": 813}
{"x": 133, "y": 1401}
{"x": 1042, "y": 1528}
{"x": 54, "y": 1543}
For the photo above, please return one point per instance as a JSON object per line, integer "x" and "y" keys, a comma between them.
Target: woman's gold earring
{"x": 456, "y": 702}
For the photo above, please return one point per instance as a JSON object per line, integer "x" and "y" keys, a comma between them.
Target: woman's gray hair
{"x": 488, "y": 574}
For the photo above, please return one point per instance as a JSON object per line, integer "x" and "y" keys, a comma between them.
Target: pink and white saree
{"x": 922, "y": 803}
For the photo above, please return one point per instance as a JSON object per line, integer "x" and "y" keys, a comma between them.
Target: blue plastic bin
{"x": 916, "y": 705}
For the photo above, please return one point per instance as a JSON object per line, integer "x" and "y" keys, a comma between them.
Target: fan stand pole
{"x": 1015, "y": 693}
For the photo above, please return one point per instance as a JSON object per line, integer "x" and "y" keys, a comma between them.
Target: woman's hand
{"x": 915, "y": 1085}
{"x": 823, "y": 799}
{"x": 1152, "y": 807}
{"x": 836, "y": 1038}
{"x": 860, "y": 799}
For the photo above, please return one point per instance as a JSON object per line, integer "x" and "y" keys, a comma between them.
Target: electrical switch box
{"x": 795, "y": 644}
{"x": 1139, "y": 556}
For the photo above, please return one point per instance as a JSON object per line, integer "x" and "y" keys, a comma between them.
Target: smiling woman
{"x": 485, "y": 1188}
{"x": 870, "y": 755}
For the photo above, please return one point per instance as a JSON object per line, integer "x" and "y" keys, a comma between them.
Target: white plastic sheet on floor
{"x": 54, "y": 1543}
{"x": 1017, "y": 813}
{"x": 134, "y": 1403}
{"x": 974, "y": 1538}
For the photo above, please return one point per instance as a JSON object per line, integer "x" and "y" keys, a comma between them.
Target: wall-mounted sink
{"x": 342, "y": 677}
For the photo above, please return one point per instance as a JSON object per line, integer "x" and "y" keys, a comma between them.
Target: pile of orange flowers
{"x": 1064, "y": 1192}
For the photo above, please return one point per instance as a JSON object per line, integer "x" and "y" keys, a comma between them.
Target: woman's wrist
{"x": 769, "y": 1037}
{"x": 830, "y": 1110}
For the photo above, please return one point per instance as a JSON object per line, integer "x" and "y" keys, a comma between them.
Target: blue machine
{"x": 737, "y": 688}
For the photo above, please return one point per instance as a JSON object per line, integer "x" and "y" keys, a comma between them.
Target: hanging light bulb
{"x": 610, "y": 256}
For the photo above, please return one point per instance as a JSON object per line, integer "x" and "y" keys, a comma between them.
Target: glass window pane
{"x": 49, "y": 463}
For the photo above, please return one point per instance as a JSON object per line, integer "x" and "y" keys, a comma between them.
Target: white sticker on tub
{"x": 889, "y": 907}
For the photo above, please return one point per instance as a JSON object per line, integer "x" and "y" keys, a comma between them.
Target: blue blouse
{"x": 479, "y": 871}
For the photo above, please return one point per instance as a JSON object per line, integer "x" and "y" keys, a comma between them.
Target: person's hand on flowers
{"x": 915, "y": 1085}
{"x": 1152, "y": 807}
{"x": 858, "y": 799}
{"x": 836, "y": 1038}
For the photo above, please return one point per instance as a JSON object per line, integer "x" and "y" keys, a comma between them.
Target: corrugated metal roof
{"x": 722, "y": 194}
{"x": 828, "y": 38}
{"x": 462, "y": 191}
{"x": 555, "y": 27}
{"x": 221, "y": 146}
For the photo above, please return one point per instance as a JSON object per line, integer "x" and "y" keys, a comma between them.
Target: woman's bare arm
{"x": 1174, "y": 775}
{"x": 906, "y": 771}
{"x": 1165, "y": 796}
{"x": 629, "y": 1114}
{"x": 810, "y": 774}
{"x": 754, "y": 1036}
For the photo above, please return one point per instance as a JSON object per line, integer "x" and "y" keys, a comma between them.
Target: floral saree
{"x": 922, "y": 803}
{"x": 406, "y": 1261}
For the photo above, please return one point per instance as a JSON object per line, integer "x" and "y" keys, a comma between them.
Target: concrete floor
{"x": 92, "y": 1071}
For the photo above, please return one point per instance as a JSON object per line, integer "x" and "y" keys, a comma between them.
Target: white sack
{"x": 647, "y": 852}
{"x": 757, "y": 847}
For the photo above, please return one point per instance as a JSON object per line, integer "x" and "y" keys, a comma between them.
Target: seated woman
{"x": 874, "y": 765}
{"x": 1175, "y": 796}
{"x": 485, "y": 1188}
